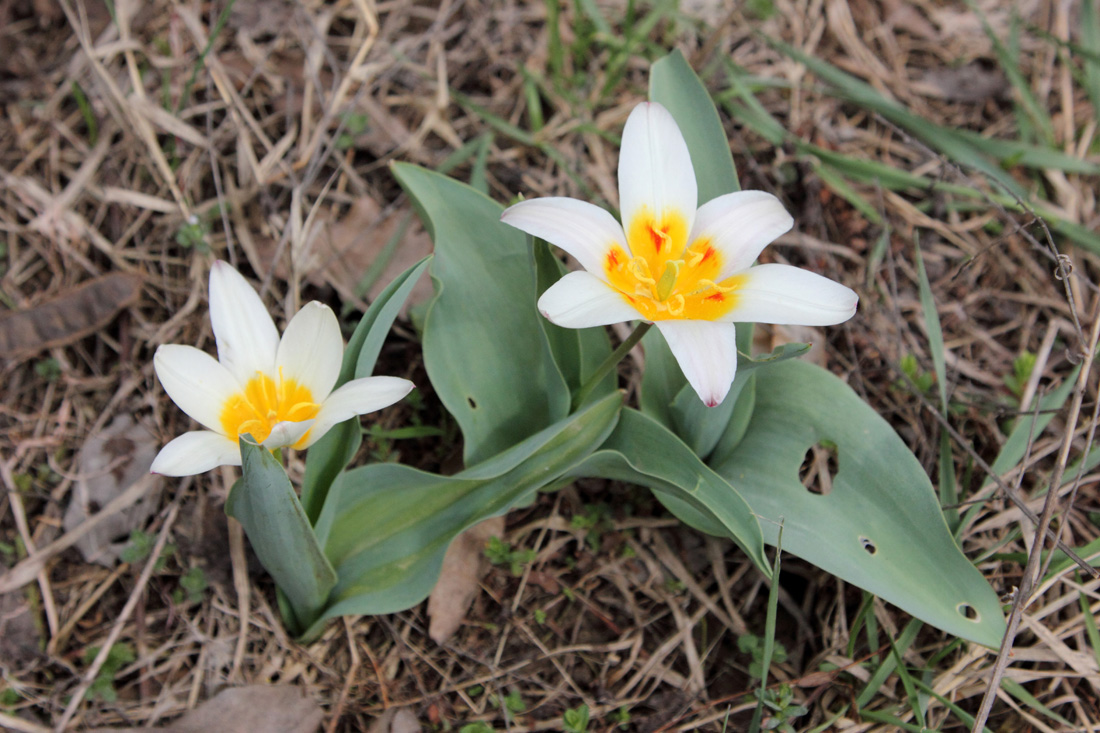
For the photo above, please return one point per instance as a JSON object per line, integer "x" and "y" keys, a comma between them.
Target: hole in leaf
{"x": 470, "y": 401}
{"x": 819, "y": 467}
{"x": 968, "y": 612}
{"x": 868, "y": 545}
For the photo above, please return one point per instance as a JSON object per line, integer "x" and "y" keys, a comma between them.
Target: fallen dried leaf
{"x": 267, "y": 708}
{"x": 395, "y": 720}
{"x": 459, "y": 581}
{"x": 19, "y": 638}
{"x": 73, "y": 314}
{"x": 766, "y": 338}
{"x": 110, "y": 462}
{"x": 971, "y": 83}
{"x": 341, "y": 252}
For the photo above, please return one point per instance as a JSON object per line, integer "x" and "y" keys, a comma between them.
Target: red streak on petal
{"x": 716, "y": 297}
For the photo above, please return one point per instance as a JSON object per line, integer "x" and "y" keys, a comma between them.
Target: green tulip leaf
{"x": 387, "y": 526}
{"x": 329, "y": 455}
{"x": 880, "y": 527}
{"x": 642, "y": 451}
{"x": 484, "y": 348}
{"x": 578, "y": 352}
{"x": 265, "y": 504}
{"x": 674, "y": 85}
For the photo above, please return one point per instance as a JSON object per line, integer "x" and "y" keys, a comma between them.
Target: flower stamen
{"x": 676, "y": 305}
{"x": 639, "y": 268}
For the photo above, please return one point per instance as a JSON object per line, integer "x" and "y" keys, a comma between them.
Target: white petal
{"x": 358, "y": 397}
{"x": 655, "y": 166}
{"x": 245, "y": 334}
{"x": 196, "y": 452}
{"x": 311, "y": 349}
{"x": 790, "y": 295}
{"x": 740, "y": 225}
{"x": 582, "y": 300}
{"x": 582, "y": 229}
{"x": 707, "y": 354}
{"x": 196, "y": 382}
{"x": 284, "y": 434}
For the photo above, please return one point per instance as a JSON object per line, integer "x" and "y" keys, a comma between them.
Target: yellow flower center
{"x": 263, "y": 404}
{"x": 667, "y": 278}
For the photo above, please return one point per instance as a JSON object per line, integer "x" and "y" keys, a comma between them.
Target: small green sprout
{"x": 478, "y": 727}
{"x": 1022, "y": 366}
{"x": 49, "y": 369}
{"x": 575, "y": 720}
{"x": 780, "y": 701}
{"x": 921, "y": 379}
{"x": 500, "y": 552}
{"x": 754, "y": 645}
{"x": 192, "y": 235}
{"x": 192, "y": 586}
{"x": 103, "y": 687}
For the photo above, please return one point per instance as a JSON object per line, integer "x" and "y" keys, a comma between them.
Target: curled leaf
{"x": 69, "y": 316}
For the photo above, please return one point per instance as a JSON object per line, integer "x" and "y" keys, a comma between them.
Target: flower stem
{"x": 610, "y": 363}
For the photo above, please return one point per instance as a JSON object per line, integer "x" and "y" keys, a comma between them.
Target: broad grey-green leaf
{"x": 699, "y": 426}
{"x": 484, "y": 349}
{"x": 675, "y": 86}
{"x": 265, "y": 504}
{"x": 880, "y": 527}
{"x": 329, "y": 455}
{"x": 642, "y": 451}
{"x": 662, "y": 379}
{"x": 388, "y": 526}
{"x": 578, "y": 352}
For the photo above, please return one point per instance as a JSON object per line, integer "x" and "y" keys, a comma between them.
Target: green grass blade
{"x": 1035, "y": 113}
{"x": 1090, "y": 623}
{"x": 1014, "y": 688}
{"x": 932, "y": 326}
{"x": 889, "y": 664}
{"x": 1090, "y": 41}
{"x": 769, "y": 634}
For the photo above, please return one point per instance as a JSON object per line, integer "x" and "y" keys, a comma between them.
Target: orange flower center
{"x": 263, "y": 404}
{"x": 667, "y": 278}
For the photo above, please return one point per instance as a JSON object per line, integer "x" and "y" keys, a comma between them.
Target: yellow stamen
{"x": 264, "y": 403}
{"x": 676, "y": 305}
{"x": 705, "y": 285}
{"x": 665, "y": 276}
{"x": 639, "y": 268}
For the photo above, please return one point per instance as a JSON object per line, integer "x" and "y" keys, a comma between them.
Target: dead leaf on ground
{"x": 766, "y": 338}
{"x": 395, "y": 720}
{"x": 110, "y": 462}
{"x": 251, "y": 709}
{"x": 342, "y": 251}
{"x": 971, "y": 83}
{"x": 19, "y": 638}
{"x": 464, "y": 565}
{"x": 69, "y": 316}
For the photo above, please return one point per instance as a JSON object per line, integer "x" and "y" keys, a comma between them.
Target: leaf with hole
{"x": 879, "y": 526}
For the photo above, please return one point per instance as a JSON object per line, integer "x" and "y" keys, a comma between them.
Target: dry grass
{"x": 254, "y": 148}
